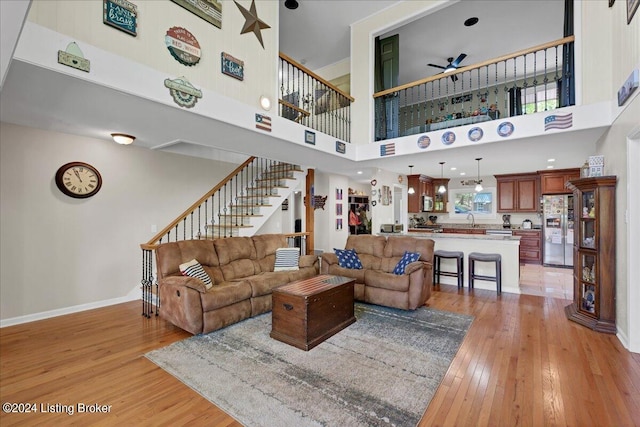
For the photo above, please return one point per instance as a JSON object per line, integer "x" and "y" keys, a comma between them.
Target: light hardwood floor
{"x": 522, "y": 363}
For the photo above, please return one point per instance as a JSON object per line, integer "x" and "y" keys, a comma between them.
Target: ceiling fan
{"x": 452, "y": 66}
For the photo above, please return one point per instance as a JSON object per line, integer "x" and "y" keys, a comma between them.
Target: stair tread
{"x": 240, "y": 215}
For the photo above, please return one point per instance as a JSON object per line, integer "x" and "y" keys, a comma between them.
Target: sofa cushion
{"x": 348, "y": 258}
{"x": 194, "y": 269}
{"x": 170, "y": 255}
{"x": 367, "y": 244}
{"x": 286, "y": 259}
{"x": 406, "y": 259}
{"x": 267, "y": 244}
{"x": 224, "y": 294}
{"x": 263, "y": 283}
{"x": 384, "y": 280}
{"x": 356, "y": 274}
{"x": 239, "y": 268}
{"x": 234, "y": 248}
{"x": 397, "y": 245}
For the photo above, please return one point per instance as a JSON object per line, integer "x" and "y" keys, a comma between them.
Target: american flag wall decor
{"x": 558, "y": 121}
{"x": 388, "y": 149}
{"x": 263, "y": 122}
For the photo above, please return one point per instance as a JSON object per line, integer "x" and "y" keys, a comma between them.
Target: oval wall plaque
{"x": 183, "y": 46}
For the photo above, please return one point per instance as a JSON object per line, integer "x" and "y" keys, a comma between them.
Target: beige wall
{"x": 82, "y": 20}
{"x": 611, "y": 50}
{"x": 58, "y": 252}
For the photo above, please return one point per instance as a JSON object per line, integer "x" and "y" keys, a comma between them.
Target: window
{"x": 466, "y": 201}
{"x": 543, "y": 97}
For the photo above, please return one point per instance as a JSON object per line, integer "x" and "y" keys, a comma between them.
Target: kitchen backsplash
{"x": 444, "y": 220}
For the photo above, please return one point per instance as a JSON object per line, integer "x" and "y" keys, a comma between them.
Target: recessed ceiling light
{"x": 462, "y": 173}
{"x": 551, "y": 160}
{"x": 454, "y": 168}
{"x": 550, "y": 167}
{"x": 359, "y": 172}
{"x": 471, "y": 22}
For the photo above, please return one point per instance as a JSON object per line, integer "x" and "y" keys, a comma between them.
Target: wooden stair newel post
{"x": 309, "y": 211}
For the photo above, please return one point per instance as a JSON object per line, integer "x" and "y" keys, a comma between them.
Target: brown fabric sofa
{"x": 242, "y": 271}
{"x": 375, "y": 282}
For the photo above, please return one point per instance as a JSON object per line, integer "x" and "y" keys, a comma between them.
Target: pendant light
{"x": 411, "y": 190}
{"x": 442, "y": 189}
{"x": 478, "y": 181}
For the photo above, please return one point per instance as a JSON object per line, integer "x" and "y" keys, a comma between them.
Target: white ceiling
{"x": 32, "y": 96}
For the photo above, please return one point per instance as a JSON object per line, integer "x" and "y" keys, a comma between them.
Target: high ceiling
{"x": 33, "y": 96}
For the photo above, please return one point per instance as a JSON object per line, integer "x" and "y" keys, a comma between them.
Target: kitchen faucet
{"x": 473, "y": 219}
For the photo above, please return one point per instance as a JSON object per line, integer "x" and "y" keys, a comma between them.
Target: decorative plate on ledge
{"x": 475, "y": 134}
{"x": 505, "y": 129}
{"x": 448, "y": 138}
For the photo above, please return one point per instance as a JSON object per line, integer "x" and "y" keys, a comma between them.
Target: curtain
{"x": 515, "y": 101}
{"x": 380, "y": 107}
{"x": 567, "y": 84}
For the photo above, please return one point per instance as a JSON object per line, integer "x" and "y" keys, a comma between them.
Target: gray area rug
{"x": 381, "y": 371}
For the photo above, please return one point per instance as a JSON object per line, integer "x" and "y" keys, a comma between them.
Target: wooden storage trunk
{"x": 307, "y": 312}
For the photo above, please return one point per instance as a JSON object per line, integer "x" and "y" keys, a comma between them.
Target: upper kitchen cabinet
{"x": 440, "y": 199}
{"x": 553, "y": 182}
{"x": 422, "y": 186}
{"x": 518, "y": 192}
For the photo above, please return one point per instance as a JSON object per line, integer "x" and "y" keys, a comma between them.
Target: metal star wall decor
{"x": 252, "y": 22}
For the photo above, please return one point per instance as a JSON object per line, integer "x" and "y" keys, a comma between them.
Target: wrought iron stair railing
{"x": 312, "y": 101}
{"x": 539, "y": 78}
{"x": 229, "y": 207}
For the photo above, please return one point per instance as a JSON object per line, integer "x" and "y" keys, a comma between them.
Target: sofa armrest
{"x": 189, "y": 282}
{"x": 328, "y": 259}
{"x": 416, "y": 265}
{"x": 307, "y": 260}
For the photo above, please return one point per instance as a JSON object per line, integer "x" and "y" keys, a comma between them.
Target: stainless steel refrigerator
{"x": 557, "y": 228}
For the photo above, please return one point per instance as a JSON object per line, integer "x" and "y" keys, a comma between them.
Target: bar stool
{"x": 459, "y": 273}
{"x": 481, "y": 257}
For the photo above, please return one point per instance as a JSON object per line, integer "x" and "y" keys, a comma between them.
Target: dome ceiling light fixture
{"x": 123, "y": 138}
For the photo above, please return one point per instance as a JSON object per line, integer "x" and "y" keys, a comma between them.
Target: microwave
{"x": 427, "y": 203}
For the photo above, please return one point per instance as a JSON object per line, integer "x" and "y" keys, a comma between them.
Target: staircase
{"x": 251, "y": 208}
{"x": 238, "y": 206}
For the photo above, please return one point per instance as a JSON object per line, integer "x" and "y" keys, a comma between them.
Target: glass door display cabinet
{"x": 594, "y": 268}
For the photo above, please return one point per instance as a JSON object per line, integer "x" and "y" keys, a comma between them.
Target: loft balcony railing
{"x": 220, "y": 213}
{"x": 312, "y": 101}
{"x": 537, "y": 79}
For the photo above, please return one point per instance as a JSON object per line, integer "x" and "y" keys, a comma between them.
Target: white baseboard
{"x": 134, "y": 294}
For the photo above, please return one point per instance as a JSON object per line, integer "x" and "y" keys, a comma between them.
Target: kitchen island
{"x": 507, "y": 246}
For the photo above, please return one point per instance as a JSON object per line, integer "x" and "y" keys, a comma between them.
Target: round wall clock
{"x": 79, "y": 180}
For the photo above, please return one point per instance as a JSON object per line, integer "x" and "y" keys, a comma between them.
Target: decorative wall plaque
{"x": 209, "y": 10}
{"x": 121, "y": 14}
{"x": 319, "y": 202}
{"x": 73, "y": 57}
{"x": 341, "y": 147}
{"x": 251, "y": 21}
{"x": 232, "y": 66}
{"x": 183, "y": 92}
{"x": 183, "y": 46}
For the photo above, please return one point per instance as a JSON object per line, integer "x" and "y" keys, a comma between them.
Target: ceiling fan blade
{"x": 459, "y": 59}
{"x": 454, "y": 78}
{"x": 437, "y": 66}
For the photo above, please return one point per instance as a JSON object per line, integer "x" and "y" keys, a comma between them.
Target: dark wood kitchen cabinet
{"x": 422, "y": 186}
{"x": 440, "y": 199}
{"x": 530, "y": 246}
{"x": 554, "y": 182}
{"x": 594, "y": 254}
{"x": 518, "y": 193}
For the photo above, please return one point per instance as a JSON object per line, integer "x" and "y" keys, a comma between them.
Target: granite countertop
{"x": 423, "y": 235}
